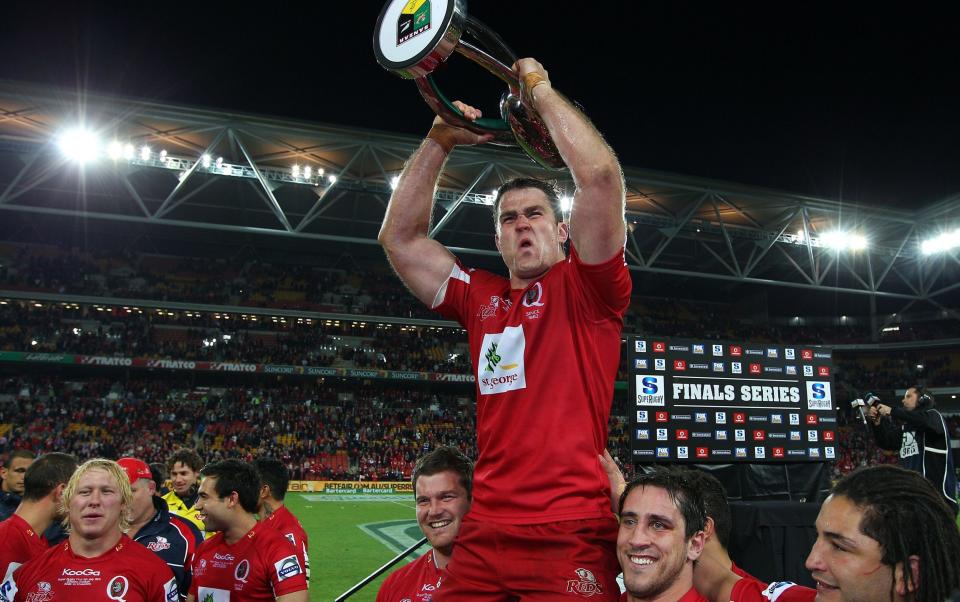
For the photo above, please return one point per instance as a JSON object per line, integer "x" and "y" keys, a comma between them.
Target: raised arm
{"x": 597, "y": 225}
{"x": 422, "y": 263}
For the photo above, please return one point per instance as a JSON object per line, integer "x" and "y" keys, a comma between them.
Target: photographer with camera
{"x": 919, "y": 431}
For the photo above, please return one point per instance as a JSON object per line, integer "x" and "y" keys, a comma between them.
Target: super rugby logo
{"x": 585, "y": 584}
{"x": 818, "y": 395}
{"x": 649, "y": 390}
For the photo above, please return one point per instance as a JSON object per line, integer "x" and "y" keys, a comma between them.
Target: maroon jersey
{"x": 283, "y": 521}
{"x": 128, "y": 571}
{"x": 20, "y": 544}
{"x": 545, "y": 358}
{"x": 416, "y": 581}
{"x": 261, "y": 566}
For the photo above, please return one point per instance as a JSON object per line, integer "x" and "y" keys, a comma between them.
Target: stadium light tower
{"x": 79, "y": 145}
{"x": 941, "y": 243}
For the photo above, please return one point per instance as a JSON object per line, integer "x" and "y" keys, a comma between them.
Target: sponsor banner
{"x": 233, "y": 367}
{"x": 697, "y": 389}
{"x": 352, "y": 487}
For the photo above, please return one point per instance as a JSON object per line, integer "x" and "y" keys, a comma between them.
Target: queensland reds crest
{"x": 586, "y": 584}
{"x": 117, "y": 588}
{"x": 534, "y": 296}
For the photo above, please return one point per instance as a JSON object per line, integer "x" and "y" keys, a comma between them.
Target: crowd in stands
{"x": 320, "y": 432}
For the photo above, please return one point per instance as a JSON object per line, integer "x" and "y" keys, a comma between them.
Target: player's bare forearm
{"x": 596, "y": 219}
{"x": 301, "y": 596}
{"x": 421, "y": 262}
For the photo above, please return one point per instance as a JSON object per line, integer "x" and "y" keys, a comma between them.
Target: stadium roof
{"x": 716, "y": 235}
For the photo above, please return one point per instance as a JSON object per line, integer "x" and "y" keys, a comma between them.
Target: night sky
{"x": 851, "y": 102}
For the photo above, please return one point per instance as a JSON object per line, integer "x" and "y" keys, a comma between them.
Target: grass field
{"x": 349, "y": 539}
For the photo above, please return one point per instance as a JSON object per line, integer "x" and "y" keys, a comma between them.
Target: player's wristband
{"x": 444, "y": 137}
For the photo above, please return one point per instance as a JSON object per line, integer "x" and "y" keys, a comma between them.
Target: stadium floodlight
{"x": 206, "y": 159}
{"x": 565, "y": 203}
{"x": 295, "y": 170}
{"x": 857, "y": 242}
{"x": 800, "y": 236}
{"x": 163, "y": 156}
{"x": 145, "y": 153}
{"x": 394, "y": 182}
{"x": 115, "y": 150}
{"x": 842, "y": 241}
{"x": 332, "y": 179}
{"x": 219, "y": 163}
{"x": 940, "y": 243}
{"x": 79, "y": 145}
{"x": 307, "y": 172}
{"x": 128, "y": 151}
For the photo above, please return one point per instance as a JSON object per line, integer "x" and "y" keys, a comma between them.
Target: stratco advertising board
{"x": 712, "y": 401}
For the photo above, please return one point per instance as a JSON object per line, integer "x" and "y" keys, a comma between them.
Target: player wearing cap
{"x": 97, "y": 562}
{"x": 274, "y": 480}
{"x": 245, "y": 561}
{"x": 170, "y": 537}
{"x": 44, "y": 483}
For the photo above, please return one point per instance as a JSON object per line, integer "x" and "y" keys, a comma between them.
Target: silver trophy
{"x": 413, "y": 37}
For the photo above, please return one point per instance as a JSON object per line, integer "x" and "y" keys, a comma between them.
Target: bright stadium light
{"x": 307, "y": 172}
{"x": 565, "y": 203}
{"x": 206, "y": 160}
{"x": 128, "y": 151}
{"x": 834, "y": 240}
{"x": 163, "y": 156}
{"x": 943, "y": 242}
{"x": 145, "y": 153}
{"x": 857, "y": 242}
{"x": 79, "y": 145}
{"x": 332, "y": 179}
{"x": 801, "y": 236}
{"x": 394, "y": 182}
{"x": 115, "y": 150}
{"x": 295, "y": 170}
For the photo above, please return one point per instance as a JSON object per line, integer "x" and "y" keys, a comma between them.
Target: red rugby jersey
{"x": 284, "y": 522}
{"x": 261, "y": 566}
{"x": 416, "y": 581}
{"x": 545, "y": 358}
{"x": 750, "y": 589}
{"x": 20, "y": 544}
{"x": 128, "y": 571}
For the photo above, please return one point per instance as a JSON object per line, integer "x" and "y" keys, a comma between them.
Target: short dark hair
{"x": 442, "y": 459}
{"x": 18, "y": 453}
{"x": 548, "y": 188}
{"x": 682, "y": 491}
{"x": 274, "y": 475}
{"x": 159, "y": 472}
{"x": 235, "y": 476}
{"x": 186, "y": 456}
{"x": 48, "y": 471}
{"x": 714, "y": 502}
{"x": 906, "y": 515}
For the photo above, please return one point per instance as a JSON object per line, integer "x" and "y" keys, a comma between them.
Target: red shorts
{"x": 563, "y": 560}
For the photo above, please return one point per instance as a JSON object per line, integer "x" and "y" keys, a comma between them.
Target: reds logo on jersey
{"x": 585, "y": 584}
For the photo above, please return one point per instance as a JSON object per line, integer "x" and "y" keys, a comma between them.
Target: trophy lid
{"x": 412, "y": 37}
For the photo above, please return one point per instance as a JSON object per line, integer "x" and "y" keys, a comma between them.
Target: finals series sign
{"x": 699, "y": 401}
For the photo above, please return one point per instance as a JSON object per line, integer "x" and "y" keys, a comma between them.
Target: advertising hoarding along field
{"x": 712, "y": 401}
